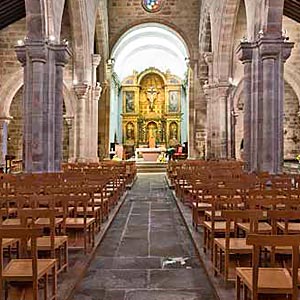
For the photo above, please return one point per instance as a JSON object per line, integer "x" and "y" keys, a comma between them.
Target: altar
{"x": 151, "y": 112}
{"x": 149, "y": 154}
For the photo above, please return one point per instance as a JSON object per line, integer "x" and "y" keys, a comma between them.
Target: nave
{"x": 147, "y": 252}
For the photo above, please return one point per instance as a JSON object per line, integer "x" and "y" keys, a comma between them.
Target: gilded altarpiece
{"x": 151, "y": 110}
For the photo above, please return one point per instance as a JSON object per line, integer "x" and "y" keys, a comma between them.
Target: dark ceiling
{"x": 292, "y": 9}
{"x": 11, "y": 11}
{"x": 14, "y": 10}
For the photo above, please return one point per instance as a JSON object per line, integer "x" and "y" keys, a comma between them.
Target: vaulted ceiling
{"x": 11, "y": 11}
{"x": 14, "y": 10}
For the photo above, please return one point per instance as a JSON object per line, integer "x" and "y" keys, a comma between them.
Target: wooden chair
{"x": 81, "y": 223}
{"x": 220, "y": 199}
{"x": 269, "y": 281}
{"x": 228, "y": 246}
{"x": 23, "y": 276}
{"x": 52, "y": 245}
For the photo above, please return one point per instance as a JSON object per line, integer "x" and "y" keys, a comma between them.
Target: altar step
{"x": 151, "y": 167}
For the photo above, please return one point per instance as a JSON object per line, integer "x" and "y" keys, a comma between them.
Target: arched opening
{"x": 237, "y": 95}
{"x": 15, "y": 127}
{"x": 149, "y": 88}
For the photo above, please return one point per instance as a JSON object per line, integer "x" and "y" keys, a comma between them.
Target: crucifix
{"x": 151, "y": 96}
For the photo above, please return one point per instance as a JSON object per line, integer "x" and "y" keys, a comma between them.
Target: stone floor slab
{"x": 135, "y": 259}
{"x": 168, "y": 295}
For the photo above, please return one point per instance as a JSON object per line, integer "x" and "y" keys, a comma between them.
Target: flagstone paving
{"x": 147, "y": 253}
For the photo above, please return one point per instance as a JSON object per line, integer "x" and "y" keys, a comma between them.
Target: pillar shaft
{"x": 3, "y": 139}
{"x": 263, "y": 87}
{"x": 42, "y": 104}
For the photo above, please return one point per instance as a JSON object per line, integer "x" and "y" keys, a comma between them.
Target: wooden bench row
{"x": 68, "y": 207}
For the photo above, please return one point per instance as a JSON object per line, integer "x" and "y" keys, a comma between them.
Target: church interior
{"x": 149, "y": 149}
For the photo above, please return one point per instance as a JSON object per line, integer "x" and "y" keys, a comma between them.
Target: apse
{"x": 150, "y": 45}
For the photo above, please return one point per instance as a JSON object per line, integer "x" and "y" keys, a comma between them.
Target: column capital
{"x": 104, "y": 86}
{"x": 96, "y": 59}
{"x": 245, "y": 52}
{"x": 81, "y": 90}
{"x": 223, "y": 89}
{"x": 62, "y": 54}
{"x": 274, "y": 48}
{"x": 37, "y": 51}
{"x": 97, "y": 91}
{"x": 208, "y": 57}
{"x": 207, "y": 88}
{"x": 21, "y": 54}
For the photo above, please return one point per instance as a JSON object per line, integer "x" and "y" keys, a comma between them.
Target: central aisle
{"x": 136, "y": 261}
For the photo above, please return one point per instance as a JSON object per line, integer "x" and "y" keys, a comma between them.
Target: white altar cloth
{"x": 149, "y": 154}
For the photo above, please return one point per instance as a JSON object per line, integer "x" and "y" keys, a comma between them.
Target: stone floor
{"x": 147, "y": 253}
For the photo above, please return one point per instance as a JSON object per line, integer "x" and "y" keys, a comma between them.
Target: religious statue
{"x": 151, "y": 96}
{"x": 130, "y": 131}
{"x": 173, "y": 131}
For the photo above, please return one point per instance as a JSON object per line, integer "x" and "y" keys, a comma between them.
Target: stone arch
{"x": 12, "y": 85}
{"x": 101, "y": 38}
{"x": 152, "y": 20}
{"x": 292, "y": 77}
{"x": 12, "y": 88}
{"x": 226, "y": 39}
{"x": 205, "y": 32}
{"x": 236, "y": 95}
{"x": 82, "y": 48}
{"x": 137, "y": 49}
{"x": 205, "y": 47}
{"x": 291, "y": 139}
{"x": 43, "y": 18}
{"x": 264, "y": 15}
{"x": 238, "y": 111}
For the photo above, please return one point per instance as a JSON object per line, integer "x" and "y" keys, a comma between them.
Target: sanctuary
{"x": 153, "y": 113}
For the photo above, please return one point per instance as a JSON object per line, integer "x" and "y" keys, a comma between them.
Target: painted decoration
{"x": 152, "y": 6}
{"x": 129, "y": 102}
{"x": 174, "y": 98}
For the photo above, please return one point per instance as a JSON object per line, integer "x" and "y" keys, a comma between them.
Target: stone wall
{"x": 181, "y": 15}
{"x": 15, "y": 127}
{"x": 8, "y": 59}
{"x": 291, "y": 124}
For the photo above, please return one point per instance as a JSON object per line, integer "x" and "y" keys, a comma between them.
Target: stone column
{"x": 191, "y": 108}
{"x": 245, "y": 54}
{"x": 42, "y": 105}
{"x": 61, "y": 57}
{"x": 263, "y": 120}
{"x": 82, "y": 92}
{"x": 218, "y": 114}
{"x": 70, "y": 124}
{"x": 273, "y": 55}
{"x": 223, "y": 117}
{"x": 207, "y": 92}
{"x": 4, "y": 121}
{"x": 95, "y": 101}
{"x": 96, "y": 93}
